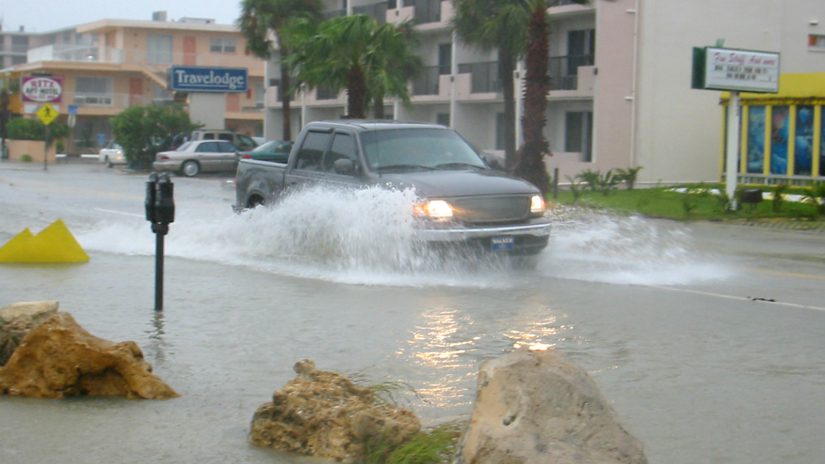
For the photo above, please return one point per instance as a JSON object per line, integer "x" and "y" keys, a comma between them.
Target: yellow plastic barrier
{"x": 54, "y": 244}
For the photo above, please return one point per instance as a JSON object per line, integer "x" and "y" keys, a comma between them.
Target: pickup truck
{"x": 460, "y": 199}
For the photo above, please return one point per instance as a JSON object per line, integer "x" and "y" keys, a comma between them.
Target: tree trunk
{"x": 356, "y": 94}
{"x": 505, "y": 72}
{"x": 378, "y": 107}
{"x": 531, "y": 157}
{"x": 285, "y": 94}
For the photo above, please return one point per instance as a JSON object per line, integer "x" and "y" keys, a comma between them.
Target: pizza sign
{"x": 41, "y": 89}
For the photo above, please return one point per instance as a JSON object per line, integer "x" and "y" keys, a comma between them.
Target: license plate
{"x": 502, "y": 243}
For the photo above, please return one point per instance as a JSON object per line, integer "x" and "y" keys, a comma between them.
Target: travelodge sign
{"x": 41, "y": 89}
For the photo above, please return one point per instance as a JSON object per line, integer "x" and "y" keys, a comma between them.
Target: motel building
{"x": 621, "y": 84}
{"x": 109, "y": 65}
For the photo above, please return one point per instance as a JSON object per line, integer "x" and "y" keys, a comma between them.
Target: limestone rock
{"x": 538, "y": 408}
{"x": 58, "y": 358}
{"x": 17, "y": 319}
{"x": 324, "y": 414}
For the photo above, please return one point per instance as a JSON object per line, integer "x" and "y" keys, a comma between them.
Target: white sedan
{"x": 198, "y": 156}
{"x": 112, "y": 154}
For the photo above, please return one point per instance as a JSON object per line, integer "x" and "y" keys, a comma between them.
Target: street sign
{"x": 47, "y": 113}
{"x": 72, "y": 109}
{"x": 207, "y": 79}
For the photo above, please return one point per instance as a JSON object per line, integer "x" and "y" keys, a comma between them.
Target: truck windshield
{"x": 418, "y": 149}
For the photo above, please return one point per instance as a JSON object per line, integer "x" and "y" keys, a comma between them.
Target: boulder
{"x": 537, "y": 408}
{"x": 324, "y": 414}
{"x": 58, "y": 358}
{"x": 17, "y": 319}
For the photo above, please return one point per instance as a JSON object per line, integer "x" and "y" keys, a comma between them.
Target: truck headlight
{"x": 434, "y": 209}
{"x": 537, "y": 205}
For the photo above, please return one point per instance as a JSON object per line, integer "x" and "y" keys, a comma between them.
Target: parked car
{"x": 243, "y": 142}
{"x": 112, "y": 154}
{"x": 195, "y": 157}
{"x": 275, "y": 150}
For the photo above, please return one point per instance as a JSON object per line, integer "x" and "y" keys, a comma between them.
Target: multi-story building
{"x": 13, "y": 47}
{"x": 620, "y": 71}
{"x": 109, "y": 65}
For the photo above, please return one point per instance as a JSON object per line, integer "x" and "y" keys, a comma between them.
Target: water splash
{"x": 366, "y": 236}
{"x": 626, "y": 250}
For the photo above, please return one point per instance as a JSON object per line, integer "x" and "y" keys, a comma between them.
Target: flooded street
{"x": 673, "y": 321}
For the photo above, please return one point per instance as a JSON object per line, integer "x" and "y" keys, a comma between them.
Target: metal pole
{"x": 46, "y": 148}
{"x": 731, "y": 166}
{"x": 159, "y": 271}
{"x": 555, "y": 183}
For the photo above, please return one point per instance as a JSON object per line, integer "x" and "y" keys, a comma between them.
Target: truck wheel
{"x": 254, "y": 202}
{"x": 190, "y": 168}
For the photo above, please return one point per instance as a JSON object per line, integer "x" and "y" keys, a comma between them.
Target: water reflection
{"x": 156, "y": 343}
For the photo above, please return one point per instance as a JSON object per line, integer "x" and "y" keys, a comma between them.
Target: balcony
{"x": 75, "y": 53}
{"x": 564, "y": 70}
{"x": 378, "y": 11}
{"x": 427, "y": 82}
{"x": 484, "y": 76}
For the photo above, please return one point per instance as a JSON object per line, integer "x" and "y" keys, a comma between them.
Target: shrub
{"x": 816, "y": 197}
{"x": 26, "y": 158}
{"x": 778, "y": 197}
{"x": 628, "y": 176}
{"x": 32, "y": 129}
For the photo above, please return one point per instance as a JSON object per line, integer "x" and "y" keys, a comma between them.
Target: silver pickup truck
{"x": 461, "y": 201}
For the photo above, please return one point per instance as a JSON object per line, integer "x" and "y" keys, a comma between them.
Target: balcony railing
{"x": 376, "y": 10}
{"x": 552, "y": 3}
{"x": 325, "y": 93}
{"x": 564, "y": 70}
{"x": 484, "y": 76}
{"x": 426, "y": 11}
{"x": 427, "y": 82}
{"x": 332, "y": 14}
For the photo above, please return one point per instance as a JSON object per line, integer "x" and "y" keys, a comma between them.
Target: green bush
{"x": 26, "y": 158}
{"x": 143, "y": 131}
{"x": 32, "y": 129}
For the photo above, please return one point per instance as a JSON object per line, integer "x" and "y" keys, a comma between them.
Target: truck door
{"x": 343, "y": 148}
{"x": 306, "y": 169}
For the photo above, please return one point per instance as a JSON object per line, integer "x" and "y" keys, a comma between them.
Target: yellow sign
{"x": 47, "y": 114}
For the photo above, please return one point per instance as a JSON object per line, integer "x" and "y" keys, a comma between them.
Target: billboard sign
{"x": 208, "y": 79}
{"x": 41, "y": 89}
{"x": 735, "y": 70}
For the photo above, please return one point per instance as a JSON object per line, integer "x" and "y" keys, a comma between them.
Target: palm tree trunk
{"x": 284, "y": 90}
{"x": 378, "y": 107}
{"x": 356, "y": 93}
{"x": 506, "y": 67}
{"x": 531, "y": 155}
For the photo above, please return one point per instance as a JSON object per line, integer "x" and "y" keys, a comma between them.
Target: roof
{"x": 375, "y": 124}
{"x": 108, "y": 24}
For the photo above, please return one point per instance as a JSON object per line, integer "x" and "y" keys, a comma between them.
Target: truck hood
{"x": 463, "y": 183}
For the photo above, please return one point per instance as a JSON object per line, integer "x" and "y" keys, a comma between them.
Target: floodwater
{"x": 672, "y": 321}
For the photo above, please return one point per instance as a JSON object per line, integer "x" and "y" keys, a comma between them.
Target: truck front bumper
{"x": 521, "y": 239}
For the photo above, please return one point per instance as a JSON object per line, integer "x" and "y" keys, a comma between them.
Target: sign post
{"x": 734, "y": 70}
{"x": 47, "y": 114}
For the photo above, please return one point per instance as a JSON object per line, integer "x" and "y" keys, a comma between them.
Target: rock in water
{"x": 58, "y": 358}
{"x": 538, "y": 408}
{"x": 17, "y": 319}
{"x": 324, "y": 414}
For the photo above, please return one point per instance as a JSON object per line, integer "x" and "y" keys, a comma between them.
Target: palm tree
{"x": 498, "y": 25}
{"x": 258, "y": 19}
{"x": 356, "y": 53}
{"x": 530, "y": 164}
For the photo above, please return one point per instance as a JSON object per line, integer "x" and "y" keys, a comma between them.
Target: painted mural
{"x": 756, "y": 139}
{"x": 804, "y": 140}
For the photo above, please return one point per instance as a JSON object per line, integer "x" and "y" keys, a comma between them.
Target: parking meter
{"x": 160, "y": 212}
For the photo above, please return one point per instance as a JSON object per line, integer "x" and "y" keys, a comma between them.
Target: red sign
{"x": 42, "y": 89}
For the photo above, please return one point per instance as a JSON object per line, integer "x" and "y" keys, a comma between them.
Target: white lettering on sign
{"x": 749, "y": 71}
{"x": 41, "y": 89}
{"x": 212, "y": 79}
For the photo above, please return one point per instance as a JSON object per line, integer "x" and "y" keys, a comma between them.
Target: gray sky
{"x": 48, "y": 15}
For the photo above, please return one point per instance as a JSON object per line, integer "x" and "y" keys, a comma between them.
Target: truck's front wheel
{"x": 254, "y": 201}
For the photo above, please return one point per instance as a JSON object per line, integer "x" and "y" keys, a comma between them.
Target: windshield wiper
{"x": 403, "y": 167}
{"x": 458, "y": 165}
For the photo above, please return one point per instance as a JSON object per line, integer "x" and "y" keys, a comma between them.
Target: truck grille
{"x": 492, "y": 209}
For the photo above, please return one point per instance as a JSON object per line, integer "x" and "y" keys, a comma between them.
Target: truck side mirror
{"x": 343, "y": 166}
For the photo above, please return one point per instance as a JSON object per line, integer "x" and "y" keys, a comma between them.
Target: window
{"x": 159, "y": 49}
{"x": 816, "y": 42}
{"x": 226, "y": 147}
{"x": 581, "y": 46}
{"x": 93, "y": 90}
{"x": 343, "y": 147}
{"x": 17, "y": 60}
{"x": 207, "y": 147}
{"x": 222, "y": 45}
{"x": 309, "y": 156}
{"x": 578, "y": 131}
{"x": 756, "y": 139}
{"x": 804, "y": 140}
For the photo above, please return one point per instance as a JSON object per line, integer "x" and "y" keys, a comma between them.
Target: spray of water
{"x": 367, "y": 236}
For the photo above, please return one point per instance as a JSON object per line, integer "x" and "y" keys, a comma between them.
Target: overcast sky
{"x": 48, "y": 15}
